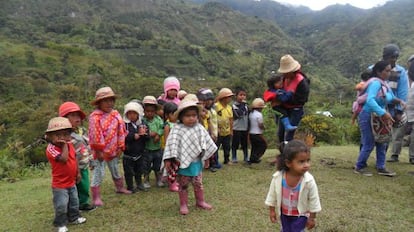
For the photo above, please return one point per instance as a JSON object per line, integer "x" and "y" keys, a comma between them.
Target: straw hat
{"x": 185, "y": 103}
{"x": 181, "y": 94}
{"x": 102, "y": 93}
{"x": 191, "y": 97}
{"x": 133, "y": 106}
{"x": 58, "y": 123}
{"x": 258, "y": 103}
{"x": 151, "y": 100}
{"x": 69, "y": 107}
{"x": 288, "y": 64}
{"x": 224, "y": 92}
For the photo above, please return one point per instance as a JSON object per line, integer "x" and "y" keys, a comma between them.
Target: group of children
{"x": 176, "y": 138}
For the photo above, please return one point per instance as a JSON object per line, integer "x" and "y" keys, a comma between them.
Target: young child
{"x": 257, "y": 141}
{"x": 153, "y": 154}
{"x": 61, "y": 155}
{"x": 240, "y": 125}
{"x": 72, "y": 111}
{"x": 170, "y": 120}
{"x": 293, "y": 194}
{"x": 134, "y": 146}
{"x": 171, "y": 89}
{"x": 107, "y": 140}
{"x": 360, "y": 88}
{"x": 276, "y": 95}
{"x": 189, "y": 145}
{"x": 181, "y": 94}
{"x": 224, "y": 121}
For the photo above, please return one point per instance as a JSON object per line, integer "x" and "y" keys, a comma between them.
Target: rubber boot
{"x": 183, "y": 195}
{"x": 119, "y": 184}
{"x": 174, "y": 186}
{"x": 286, "y": 123}
{"x": 199, "y": 196}
{"x": 158, "y": 177}
{"x": 96, "y": 196}
{"x": 147, "y": 184}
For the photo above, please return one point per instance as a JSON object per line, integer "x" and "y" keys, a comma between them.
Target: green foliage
{"x": 322, "y": 127}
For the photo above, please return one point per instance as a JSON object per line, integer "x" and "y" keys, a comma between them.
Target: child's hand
{"x": 156, "y": 138}
{"x": 310, "y": 224}
{"x": 273, "y": 217}
{"x": 136, "y": 136}
{"x": 78, "y": 178}
{"x": 99, "y": 156}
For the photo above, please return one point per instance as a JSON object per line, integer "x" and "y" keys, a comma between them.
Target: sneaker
{"x": 62, "y": 229}
{"x": 87, "y": 208}
{"x": 213, "y": 169}
{"x": 385, "y": 172}
{"x": 141, "y": 187}
{"x": 363, "y": 172}
{"x": 393, "y": 159}
{"x": 80, "y": 220}
{"x": 234, "y": 161}
{"x": 147, "y": 185}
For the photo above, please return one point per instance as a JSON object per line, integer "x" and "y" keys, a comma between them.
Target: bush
{"x": 322, "y": 127}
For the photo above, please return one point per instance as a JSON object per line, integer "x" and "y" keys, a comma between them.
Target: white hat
{"x": 258, "y": 103}
{"x": 133, "y": 106}
{"x": 185, "y": 103}
{"x": 288, "y": 64}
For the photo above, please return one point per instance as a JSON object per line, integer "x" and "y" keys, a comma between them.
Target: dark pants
{"x": 294, "y": 115}
{"x": 293, "y": 223}
{"x": 66, "y": 204}
{"x": 239, "y": 138}
{"x": 225, "y": 142}
{"x": 133, "y": 168}
{"x": 152, "y": 161}
{"x": 258, "y": 147}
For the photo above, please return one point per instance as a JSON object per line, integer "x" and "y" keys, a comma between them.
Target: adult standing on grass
{"x": 410, "y": 108}
{"x": 296, "y": 82}
{"x": 378, "y": 96}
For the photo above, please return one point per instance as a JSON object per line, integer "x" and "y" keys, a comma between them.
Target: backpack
{"x": 361, "y": 97}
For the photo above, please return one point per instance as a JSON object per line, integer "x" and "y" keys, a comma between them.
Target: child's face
{"x": 106, "y": 104}
{"x": 226, "y": 100}
{"x": 300, "y": 164}
{"x": 150, "y": 111}
{"x": 172, "y": 93}
{"x": 208, "y": 103}
{"x": 132, "y": 116}
{"x": 75, "y": 119}
{"x": 59, "y": 137}
{"x": 241, "y": 96}
{"x": 189, "y": 117}
{"x": 278, "y": 84}
{"x": 172, "y": 117}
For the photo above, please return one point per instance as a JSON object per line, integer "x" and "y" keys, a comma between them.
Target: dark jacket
{"x": 134, "y": 148}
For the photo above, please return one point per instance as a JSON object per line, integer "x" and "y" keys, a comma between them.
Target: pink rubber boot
{"x": 199, "y": 196}
{"x": 96, "y": 196}
{"x": 183, "y": 194}
{"x": 174, "y": 187}
{"x": 119, "y": 184}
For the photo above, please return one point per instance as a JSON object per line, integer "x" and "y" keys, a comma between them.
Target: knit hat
{"x": 133, "y": 106}
{"x": 102, "y": 93}
{"x": 171, "y": 83}
{"x": 224, "y": 92}
{"x": 69, "y": 107}
{"x": 288, "y": 64}
{"x": 258, "y": 103}
{"x": 58, "y": 123}
{"x": 390, "y": 50}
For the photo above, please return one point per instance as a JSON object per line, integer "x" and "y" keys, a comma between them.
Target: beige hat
{"x": 133, "y": 106}
{"x": 58, "y": 123}
{"x": 191, "y": 97}
{"x": 224, "y": 92}
{"x": 149, "y": 100}
{"x": 185, "y": 103}
{"x": 181, "y": 94}
{"x": 288, "y": 64}
{"x": 258, "y": 103}
{"x": 102, "y": 93}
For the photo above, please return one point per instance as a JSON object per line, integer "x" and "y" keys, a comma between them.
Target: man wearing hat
{"x": 410, "y": 107}
{"x": 297, "y": 83}
{"x": 398, "y": 82}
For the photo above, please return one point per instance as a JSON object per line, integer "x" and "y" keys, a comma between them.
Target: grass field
{"x": 350, "y": 202}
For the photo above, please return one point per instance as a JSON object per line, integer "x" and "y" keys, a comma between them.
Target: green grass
{"x": 350, "y": 202}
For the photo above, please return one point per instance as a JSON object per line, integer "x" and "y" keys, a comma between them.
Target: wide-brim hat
{"x": 288, "y": 64}
{"x": 224, "y": 92}
{"x": 258, "y": 103}
{"x": 151, "y": 100}
{"x": 102, "y": 93}
{"x": 58, "y": 123}
{"x": 135, "y": 107}
{"x": 185, "y": 103}
{"x": 70, "y": 107}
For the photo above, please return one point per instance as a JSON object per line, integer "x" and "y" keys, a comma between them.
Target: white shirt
{"x": 255, "y": 119}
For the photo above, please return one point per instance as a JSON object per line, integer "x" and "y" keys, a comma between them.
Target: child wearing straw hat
{"x": 107, "y": 140}
{"x": 190, "y": 146}
{"x": 224, "y": 121}
{"x": 257, "y": 141}
{"x": 65, "y": 173}
{"x": 72, "y": 111}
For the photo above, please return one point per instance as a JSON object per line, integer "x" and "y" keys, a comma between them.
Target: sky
{"x": 320, "y": 4}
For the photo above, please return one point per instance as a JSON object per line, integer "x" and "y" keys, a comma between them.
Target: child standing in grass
{"x": 72, "y": 111}
{"x": 257, "y": 141}
{"x": 293, "y": 194}
{"x": 65, "y": 173}
{"x": 170, "y": 120}
{"x": 240, "y": 125}
{"x": 224, "y": 121}
{"x": 107, "y": 140}
{"x": 189, "y": 145}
